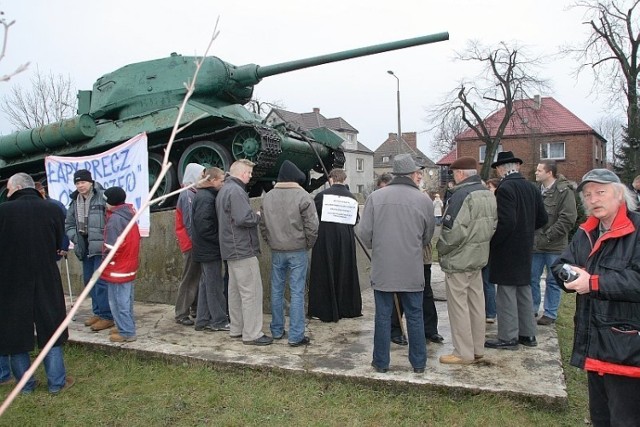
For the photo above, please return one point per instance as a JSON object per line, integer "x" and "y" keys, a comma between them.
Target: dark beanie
{"x": 82, "y": 175}
{"x": 115, "y": 196}
{"x": 290, "y": 173}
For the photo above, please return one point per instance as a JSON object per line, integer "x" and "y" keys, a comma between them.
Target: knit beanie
{"x": 115, "y": 196}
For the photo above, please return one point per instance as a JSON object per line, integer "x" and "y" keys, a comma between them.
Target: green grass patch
{"x": 118, "y": 388}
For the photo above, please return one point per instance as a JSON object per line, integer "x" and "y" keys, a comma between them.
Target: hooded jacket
{"x": 607, "y": 320}
{"x": 183, "y": 206}
{"x": 92, "y": 244}
{"x": 560, "y": 205}
{"x": 123, "y": 266}
{"x": 289, "y": 216}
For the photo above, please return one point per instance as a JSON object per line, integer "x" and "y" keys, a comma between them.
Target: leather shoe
{"x": 263, "y": 340}
{"x": 436, "y": 338}
{"x": 528, "y": 341}
{"x": 418, "y": 370}
{"x": 303, "y": 341}
{"x": 400, "y": 340}
{"x": 452, "y": 359}
{"x": 91, "y": 320}
{"x": 378, "y": 369}
{"x": 546, "y": 321}
{"x": 102, "y": 324}
{"x": 185, "y": 321}
{"x": 68, "y": 383}
{"x": 502, "y": 344}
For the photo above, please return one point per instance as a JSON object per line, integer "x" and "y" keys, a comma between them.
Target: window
{"x": 385, "y": 159}
{"x": 359, "y": 165}
{"x": 360, "y": 188}
{"x": 552, "y": 150}
{"x": 483, "y": 151}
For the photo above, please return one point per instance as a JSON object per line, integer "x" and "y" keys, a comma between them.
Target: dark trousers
{"x": 429, "y": 313}
{"x": 613, "y": 400}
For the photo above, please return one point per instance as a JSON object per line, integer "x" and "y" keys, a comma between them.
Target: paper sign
{"x": 339, "y": 209}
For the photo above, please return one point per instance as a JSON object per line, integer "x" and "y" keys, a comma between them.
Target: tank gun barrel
{"x": 251, "y": 74}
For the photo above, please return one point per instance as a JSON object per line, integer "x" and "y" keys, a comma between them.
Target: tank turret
{"x": 145, "y": 97}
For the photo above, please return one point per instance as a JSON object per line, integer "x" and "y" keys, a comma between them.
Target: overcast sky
{"x": 86, "y": 39}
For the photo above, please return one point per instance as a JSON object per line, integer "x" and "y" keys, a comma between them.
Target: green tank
{"x": 145, "y": 97}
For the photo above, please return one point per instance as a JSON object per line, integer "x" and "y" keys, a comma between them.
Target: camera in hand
{"x": 567, "y": 274}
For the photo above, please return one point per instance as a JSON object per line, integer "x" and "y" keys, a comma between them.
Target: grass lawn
{"x": 121, "y": 389}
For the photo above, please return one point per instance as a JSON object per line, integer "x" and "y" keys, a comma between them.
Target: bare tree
{"x": 51, "y": 98}
{"x": 262, "y": 108}
{"x": 612, "y": 52}
{"x": 508, "y": 75}
{"x": 446, "y": 131}
{"x": 6, "y": 25}
{"x": 611, "y": 129}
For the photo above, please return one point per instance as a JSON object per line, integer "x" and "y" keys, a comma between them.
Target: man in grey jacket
{"x": 239, "y": 246}
{"x": 397, "y": 223}
{"x": 550, "y": 240}
{"x": 463, "y": 247}
{"x": 290, "y": 228}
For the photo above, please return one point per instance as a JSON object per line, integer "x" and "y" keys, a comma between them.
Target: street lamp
{"x": 398, "y": 99}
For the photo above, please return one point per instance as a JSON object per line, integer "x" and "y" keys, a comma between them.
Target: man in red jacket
{"x": 120, "y": 273}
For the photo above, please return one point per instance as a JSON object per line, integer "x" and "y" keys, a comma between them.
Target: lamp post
{"x": 400, "y": 148}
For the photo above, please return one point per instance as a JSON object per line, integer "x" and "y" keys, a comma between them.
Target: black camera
{"x": 567, "y": 274}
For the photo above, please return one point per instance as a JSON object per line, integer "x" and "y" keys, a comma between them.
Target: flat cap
{"x": 465, "y": 163}
{"x": 601, "y": 176}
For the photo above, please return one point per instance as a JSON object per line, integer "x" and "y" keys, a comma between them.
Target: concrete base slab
{"x": 344, "y": 349}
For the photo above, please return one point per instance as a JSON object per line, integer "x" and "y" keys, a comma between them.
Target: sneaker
{"x": 102, "y": 324}
{"x": 224, "y": 328}
{"x": 185, "y": 321}
{"x": 303, "y": 341}
{"x": 546, "y": 321}
{"x": 263, "y": 340}
{"x": 491, "y": 320}
{"x": 452, "y": 359}
{"x": 69, "y": 382}
{"x": 91, "y": 320}
{"x": 120, "y": 338}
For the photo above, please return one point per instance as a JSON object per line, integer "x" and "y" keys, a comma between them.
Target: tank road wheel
{"x": 246, "y": 144}
{"x": 205, "y": 153}
{"x": 169, "y": 182}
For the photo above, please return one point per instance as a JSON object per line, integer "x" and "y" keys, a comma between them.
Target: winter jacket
{"x": 90, "y": 245}
{"x": 560, "y": 205}
{"x": 31, "y": 295}
{"x": 205, "y": 237}
{"x": 237, "y": 222}
{"x": 183, "y": 206}
{"x": 607, "y": 320}
{"x": 469, "y": 222}
{"x": 123, "y": 266}
{"x": 520, "y": 213}
{"x": 397, "y": 223}
{"x": 289, "y": 218}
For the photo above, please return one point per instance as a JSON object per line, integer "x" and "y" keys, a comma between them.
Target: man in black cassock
{"x": 334, "y": 288}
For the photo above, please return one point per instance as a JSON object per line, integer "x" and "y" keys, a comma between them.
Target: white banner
{"x": 126, "y": 166}
{"x": 340, "y": 209}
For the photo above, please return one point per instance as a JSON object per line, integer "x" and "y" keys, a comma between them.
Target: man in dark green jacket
{"x": 550, "y": 240}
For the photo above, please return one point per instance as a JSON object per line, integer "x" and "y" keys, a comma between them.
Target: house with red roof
{"x": 541, "y": 128}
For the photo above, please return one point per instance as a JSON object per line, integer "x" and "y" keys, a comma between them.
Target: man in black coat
{"x": 31, "y": 293}
{"x": 520, "y": 212}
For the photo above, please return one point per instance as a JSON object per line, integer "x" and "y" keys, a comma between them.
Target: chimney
{"x": 411, "y": 138}
{"x": 537, "y": 102}
{"x": 316, "y": 110}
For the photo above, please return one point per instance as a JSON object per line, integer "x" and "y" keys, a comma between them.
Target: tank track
{"x": 270, "y": 150}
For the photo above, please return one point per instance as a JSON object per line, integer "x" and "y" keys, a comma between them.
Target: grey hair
{"x": 628, "y": 197}
{"x": 512, "y": 166}
{"x": 469, "y": 172}
{"x": 21, "y": 180}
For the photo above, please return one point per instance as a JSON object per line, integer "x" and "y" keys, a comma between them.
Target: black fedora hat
{"x": 505, "y": 157}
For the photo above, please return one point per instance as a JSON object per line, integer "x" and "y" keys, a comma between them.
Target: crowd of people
{"x": 480, "y": 226}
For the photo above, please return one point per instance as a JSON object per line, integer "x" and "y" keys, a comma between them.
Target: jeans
{"x": 282, "y": 262}
{"x": 121, "y": 302}
{"x": 53, "y": 366}
{"x": 99, "y": 293}
{"x": 412, "y": 304}
{"x": 489, "y": 294}
{"x": 552, "y": 291}
{"x": 5, "y": 369}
